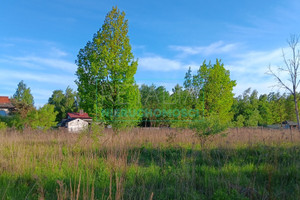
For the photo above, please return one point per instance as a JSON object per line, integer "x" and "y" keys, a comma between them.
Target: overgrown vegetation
{"x": 200, "y": 159}
{"x": 150, "y": 164}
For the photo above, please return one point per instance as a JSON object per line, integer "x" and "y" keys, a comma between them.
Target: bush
{"x": 208, "y": 126}
{"x": 3, "y": 126}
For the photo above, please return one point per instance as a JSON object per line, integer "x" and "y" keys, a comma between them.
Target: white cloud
{"x": 36, "y": 62}
{"x": 263, "y": 87}
{"x": 250, "y": 70}
{"x": 257, "y": 60}
{"x": 212, "y": 49}
{"x": 59, "y": 79}
{"x": 57, "y": 52}
{"x": 157, "y": 63}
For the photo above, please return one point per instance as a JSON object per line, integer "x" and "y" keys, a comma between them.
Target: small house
{"x": 81, "y": 115}
{"x": 5, "y": 106}
{"x": 76, "y": 125}
{"x": 76, "y": 122}
{"x": 290, "y": 124}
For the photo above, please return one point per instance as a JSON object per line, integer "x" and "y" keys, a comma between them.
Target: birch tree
{"x": 291, "y": 67}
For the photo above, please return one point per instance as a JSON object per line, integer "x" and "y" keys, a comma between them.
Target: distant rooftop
{"x": 4, "y": 99}
{"x": 80, "y": 115}
{"x": 5, "y": 102}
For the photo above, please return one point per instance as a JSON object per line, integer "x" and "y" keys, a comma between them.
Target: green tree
{"x": 154, "y": 101}
{"x": 23, "y": 102}
{"x": 264, "y": 108}
{"x": 247, "y": 105}
{"x": 23, "y": 94}
{"x": 188, "y": 80}
{"x": 149, "y": 102}
{"x": 277, "y": 105}
{"x": 214, "y": 80}
{"x": 290, "y": 108}
{"x": 57, "y": 99}
{"x": 183, "y": 101}
{"x": 63, "y": 102}
{"x": 253, "y": 118}
{"x": 43, "y": 118}
{"x": 240, "y": 121}
{"x": 106, "y": 69}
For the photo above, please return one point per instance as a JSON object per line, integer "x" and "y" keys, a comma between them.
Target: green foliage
{"x": 23, "y": 94}
{"x": 106, "y": 69}
{"x": 272, "y": 108}
{"x": 214, "y": 81}
{"x": 253, "y": 119}
{"x": 277, "y": 104}
{"x": 264, "y": 108}
{"x": 188, "y": 80}
{"x": 208, "y": 126}
{"x": 247, "y": 105}
{"x": 63, "y": 102}
{"x": 240, "y": 121}
{"x": 154, "y": 98}
{"x": 96, "y": 130}
{"x": 3, "y": 126}
{"x": 43, "y": 118}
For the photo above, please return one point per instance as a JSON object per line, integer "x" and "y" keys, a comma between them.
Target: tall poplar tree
{"x": 106, "y": 69}
{"x": 214, "y": 81}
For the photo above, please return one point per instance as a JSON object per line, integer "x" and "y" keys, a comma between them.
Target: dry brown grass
{"x": 23, "y": 151}
{"x": 29, "y": 151}
{"x": 157, "y": 137}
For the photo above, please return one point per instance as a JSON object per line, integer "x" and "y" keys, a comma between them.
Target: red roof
{"x": 79, "y": 115}
{"x": 4, "y": 99}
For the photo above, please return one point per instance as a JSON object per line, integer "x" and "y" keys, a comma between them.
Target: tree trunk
{"x": 296, "y": 109}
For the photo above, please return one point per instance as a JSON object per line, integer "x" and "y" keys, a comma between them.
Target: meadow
{"x": 150, "y": 164}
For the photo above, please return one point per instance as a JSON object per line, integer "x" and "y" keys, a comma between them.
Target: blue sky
{"x": 39, "y": 40}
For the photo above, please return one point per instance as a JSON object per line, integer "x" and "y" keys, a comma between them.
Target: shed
{"x": 76, "y": 125}
{"x": 76, "y": 122}
{"x": 290, "y": 124}
{"x": 81, "y": 115}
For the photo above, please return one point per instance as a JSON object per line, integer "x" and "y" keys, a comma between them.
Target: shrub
{"x": 3, "y": 126}
{"x": 208, "y": 126}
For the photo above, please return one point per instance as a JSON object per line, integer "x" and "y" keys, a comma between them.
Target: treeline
{"x": 251, "y": 110}
{"x": 206, "y": 95}
{"x": 203, "y": 96}
{"x": 248, "y": 109}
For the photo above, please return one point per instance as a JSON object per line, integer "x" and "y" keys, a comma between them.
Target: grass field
{"x": 150, "y": 164}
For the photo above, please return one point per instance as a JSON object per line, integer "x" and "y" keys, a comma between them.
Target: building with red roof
{"x": 76, "y": 122}
{"x": 81, "y": 115}
{"x": 78, "y": 116}
{"x": 5, "y": 106}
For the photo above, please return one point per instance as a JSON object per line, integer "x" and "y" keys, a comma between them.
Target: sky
{"x": 40, "y": 40}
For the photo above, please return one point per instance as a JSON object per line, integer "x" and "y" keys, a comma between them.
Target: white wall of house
{"x": 77, "y": 125}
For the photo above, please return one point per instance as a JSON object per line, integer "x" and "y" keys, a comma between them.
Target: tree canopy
{"x": 105, "y": 74}
{"x": 23, "y": 94}
{"x": 63, "y": 102}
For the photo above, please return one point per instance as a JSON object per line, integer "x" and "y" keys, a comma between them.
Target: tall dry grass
{"x": 61, "y": 165}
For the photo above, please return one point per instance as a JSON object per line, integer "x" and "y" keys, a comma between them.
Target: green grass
{"x": 62, "y": 166}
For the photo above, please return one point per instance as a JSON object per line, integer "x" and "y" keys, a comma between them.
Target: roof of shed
{"x": 79, "y": 115}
